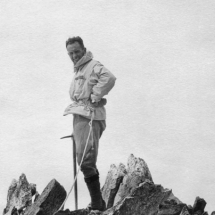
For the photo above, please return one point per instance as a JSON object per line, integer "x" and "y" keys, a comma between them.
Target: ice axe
{"x": 82, "y": 159}
{"x": 74, "y": 169}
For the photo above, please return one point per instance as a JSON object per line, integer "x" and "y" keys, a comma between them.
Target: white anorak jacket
{"x": 91, "y": 82}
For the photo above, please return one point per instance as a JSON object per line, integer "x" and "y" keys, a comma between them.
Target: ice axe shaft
{"x": 75, "y": 172}
{"x": 74, "y": 169}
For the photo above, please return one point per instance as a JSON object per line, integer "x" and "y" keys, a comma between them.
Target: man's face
{"x": 75, "y": 52}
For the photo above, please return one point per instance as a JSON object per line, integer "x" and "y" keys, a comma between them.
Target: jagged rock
{"x": 139, "y": 195}
{"x": 138, "y": 167}
{"x": 132, "y": 190}
{"x": 33, "y": 189}
{"x": 171, "y": 206}
{"x": 9, "y": 212}
{"x": 144, "y": 200}
{"x": 36, "y": 196}
{"x": 137, "y": 172}
{"x": 171, "y": 200}
{"x": 171, "y": 209}
{"x": 77, "y": 212}
{"x": 197, "y": 212}
{"x": 19, "y": 194}
{"x": 199, "y": 205}
{"x": 184, "y": 211}
{"x": 174, "y": 200}
{"x": 190, "y": 209}
{"x": 112, "y": 183}
{"x": 95, "y": 213}
{"x": 49, "y": 201}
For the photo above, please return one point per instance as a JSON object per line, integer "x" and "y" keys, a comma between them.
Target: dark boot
{"x": 93, "y": 185}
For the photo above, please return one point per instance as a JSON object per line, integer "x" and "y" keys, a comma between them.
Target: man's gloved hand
{"x": 100, "y": 103}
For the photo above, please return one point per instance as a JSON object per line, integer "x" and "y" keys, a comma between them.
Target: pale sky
{"x": 162, "y": 108}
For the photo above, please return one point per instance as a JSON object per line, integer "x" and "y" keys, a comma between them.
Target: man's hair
{"x": 75, "y": 39}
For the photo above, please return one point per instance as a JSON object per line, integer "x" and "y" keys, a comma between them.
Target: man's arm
{"x": 105, "y": 81}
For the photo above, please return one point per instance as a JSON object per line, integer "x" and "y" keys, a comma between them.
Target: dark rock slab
{"x": 35, "y": 210}
{"x": 197, "y": 212}
{"x": 184, "y": 211}
{"x": 172, "y": 206}
{"x": 36, "y": 196}
{"x": 190, "y": 209}
{"x": 171, "y": 209}
{"x": 112, "y": 183}
{"x": 172, "y": 199}
{"x": 144, "y": 200}
{"x": 49, "y": 201}
{"x": 199, "y": 205}
{"x": 9, "y": 212}
{"x": 19, "y": 194}
{"x": 77, "y": 212}
{"x": 137, "y": 172}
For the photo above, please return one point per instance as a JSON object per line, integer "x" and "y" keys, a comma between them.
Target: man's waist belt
{"x": 84, "y": 108}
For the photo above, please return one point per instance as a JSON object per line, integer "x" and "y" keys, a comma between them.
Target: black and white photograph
{"x": 107, "y": 107}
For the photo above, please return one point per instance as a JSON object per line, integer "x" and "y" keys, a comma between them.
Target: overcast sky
{"x": 162, "y": 108}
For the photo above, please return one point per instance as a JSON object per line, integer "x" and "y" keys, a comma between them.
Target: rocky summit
{"x": 128, "y": 190}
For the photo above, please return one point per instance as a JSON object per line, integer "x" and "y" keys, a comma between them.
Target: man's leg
{"x": 81, "y": 130}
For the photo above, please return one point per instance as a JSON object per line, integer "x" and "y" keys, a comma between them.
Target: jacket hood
{"x": 85, "y": 59}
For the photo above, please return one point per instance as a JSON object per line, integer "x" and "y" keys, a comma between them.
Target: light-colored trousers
{"x": 80, "y": 131}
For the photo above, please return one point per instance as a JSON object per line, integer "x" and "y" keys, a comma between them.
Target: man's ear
{"x": 85, "y": 50}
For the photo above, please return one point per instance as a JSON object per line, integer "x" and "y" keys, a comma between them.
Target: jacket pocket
{"x": 79, "y": 83}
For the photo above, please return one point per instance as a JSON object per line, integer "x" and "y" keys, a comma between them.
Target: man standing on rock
{"x": 90, "y": 83}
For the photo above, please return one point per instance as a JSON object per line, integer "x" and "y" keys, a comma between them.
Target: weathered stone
{"x": 137, "y": 172}
{"x": 112, "y": 183}
{"x": 172, "y": 199}
{"x": 199, "y": 212}
{"x": 95, "y": 213}
{"x": 14, "y": 211}
{"x": 133, "y": 190}
{"x": 199, "y": 204}
{"x": 171, "y": 209}
{"x": 49, "y": 201}
{"x": 77, "y": 212}
{"x": 172, "y": 205}
{"x": 190, "y": 209}
{"x": 20, "y": 194}
{"x": 144, "y": 200}
{"x": 139, "y": 167}
{"x": 33, "y": 189}
{"x": 170, "y": 202}
{"x": 36, "y": 196}
{"x": 9, "y": 212}
{"x": 184, "y": 211}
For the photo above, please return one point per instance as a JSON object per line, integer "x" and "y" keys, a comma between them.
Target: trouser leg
{"x": 91, "y": 174}
{"x": 80, "y": 131}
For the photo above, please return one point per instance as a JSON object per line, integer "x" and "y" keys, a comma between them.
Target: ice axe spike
{"x": 74, "y": 169}
{"x": 66, "y": 137}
